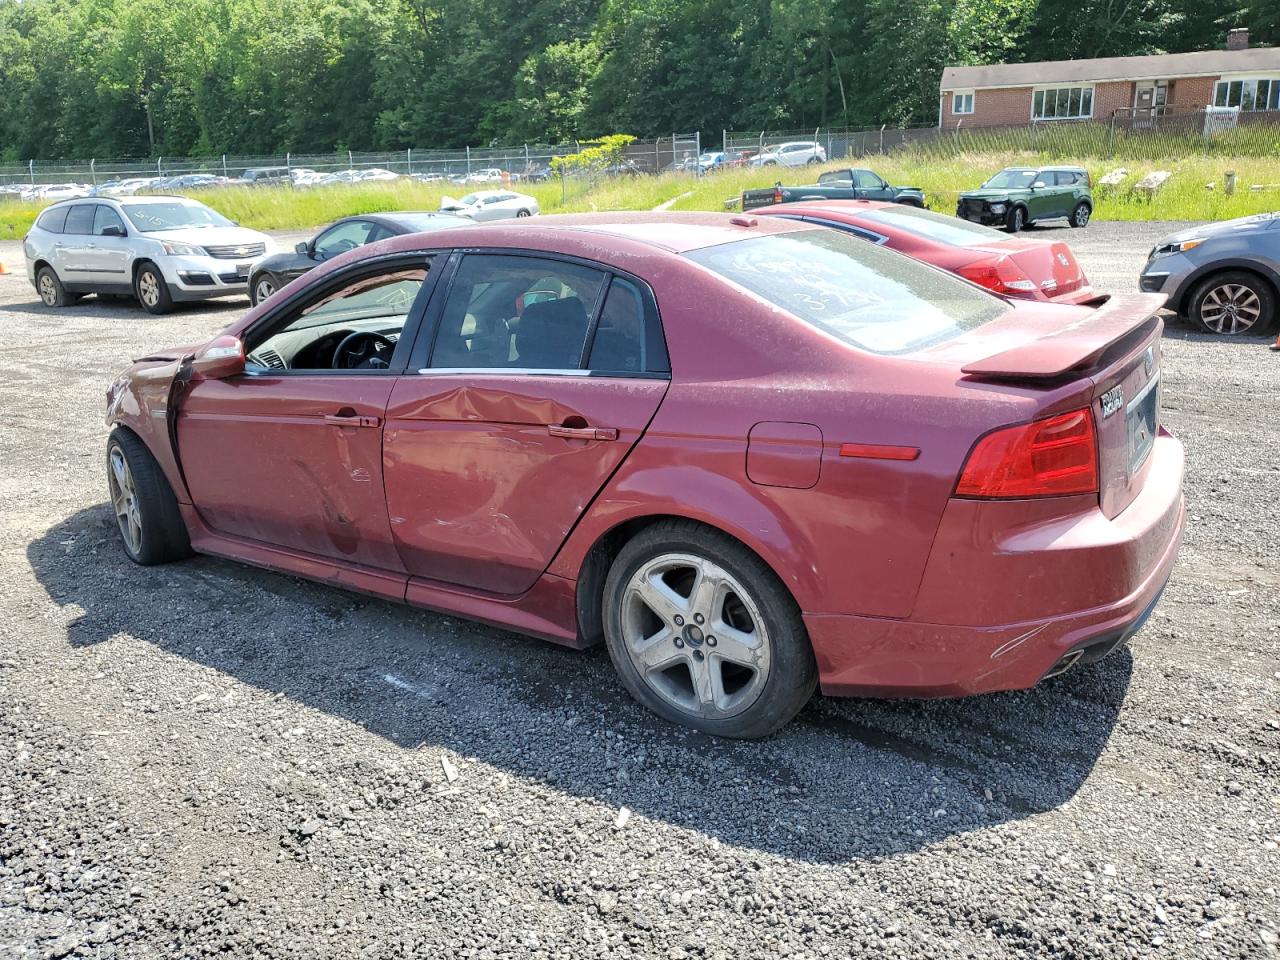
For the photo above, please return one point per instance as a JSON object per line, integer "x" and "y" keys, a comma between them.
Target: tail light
{"x": 777, "y": 194}
{"x": 1000, "y": 275}
{"x": 1054, "y": 457}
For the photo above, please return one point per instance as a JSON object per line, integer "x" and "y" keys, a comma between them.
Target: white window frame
{"x": 1227, "y": 80}
{"x": 1056, "y": 89}
{"x": 956, "y": 97}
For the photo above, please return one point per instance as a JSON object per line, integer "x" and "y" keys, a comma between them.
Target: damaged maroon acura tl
{"x": 751, "y": 455}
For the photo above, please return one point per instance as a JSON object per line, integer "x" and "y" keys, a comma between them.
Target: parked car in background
{"x": 539, "y": 174}
{"x": 794, "y": 154}
{"x": 161, "y": 250}
{"x": 271, "y": 273}
{"x": 124, "y": 188}
{"x": 487, "y": 175}
{"x": 850, "y": 184}
{"x": 267, "y": 176}
{"x": 52, "y": 192}
{"x": 1224, "y": 277}
{"x": 752, "y": 455}
{"x": 1011, "y": 266}
{"x": 491, "y": 205}
{"x": 428, "y": 177}
{"x": 1018, "y": 196}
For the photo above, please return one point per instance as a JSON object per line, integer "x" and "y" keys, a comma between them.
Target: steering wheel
{"x": 361, "y": 348}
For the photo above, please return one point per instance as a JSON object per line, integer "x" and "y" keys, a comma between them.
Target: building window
{"x": 962, "y": 102}
{"x": 1253, "y": 93}
{"x": 1062, "y": 103}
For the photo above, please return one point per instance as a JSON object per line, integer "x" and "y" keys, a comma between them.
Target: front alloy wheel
{"x": 124, "y": 499}
{"x": 263, "y": 289}
{"x": 695, "y": 635}
{"x": 1231, "y": 307}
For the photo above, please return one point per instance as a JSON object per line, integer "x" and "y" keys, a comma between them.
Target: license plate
{"x": 242, "y": 270}
{"x": 1143, "y": 414}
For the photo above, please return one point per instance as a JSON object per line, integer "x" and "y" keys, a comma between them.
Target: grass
{"x": 1184, "y": 196}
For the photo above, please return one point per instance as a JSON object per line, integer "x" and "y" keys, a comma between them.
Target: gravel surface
{"x": 204, "y": 758}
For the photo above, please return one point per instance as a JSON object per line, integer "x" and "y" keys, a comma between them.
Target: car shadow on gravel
{"x": 848, "y": 780}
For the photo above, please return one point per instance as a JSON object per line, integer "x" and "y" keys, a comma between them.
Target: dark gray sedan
{"x": 1223, "y": 277}
{"x": 272, "y": 273}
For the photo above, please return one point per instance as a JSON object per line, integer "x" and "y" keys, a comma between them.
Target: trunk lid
{"x": 1112, "y": 352}
{"x": 1050, "y": 265}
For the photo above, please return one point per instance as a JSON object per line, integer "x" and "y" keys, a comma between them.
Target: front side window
{"x": 962, "y": 103}
{"x": 866, "y": 180}
{"x": 1261, "y": 93}
{"x": 1062, "y": 103}
{"x": 106, "y": 217}
{"x": 517, "y": 313}
{"x": 355, "y": 327}
{"x": 173, "y": 215}
{"x": 869, "y": 297}
{"x": 343, "y": 237}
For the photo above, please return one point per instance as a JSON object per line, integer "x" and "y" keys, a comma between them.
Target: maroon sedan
{"x": 1010, "y": 265}
{"x": 751, "y": 455}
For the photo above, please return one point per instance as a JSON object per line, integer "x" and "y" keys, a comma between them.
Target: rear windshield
{"x": 935, "y": 226}
{"x": 875, "y": 299}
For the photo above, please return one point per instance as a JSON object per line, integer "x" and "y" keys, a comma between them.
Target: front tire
{"x": 262, "y": 288}
{"x": 704, "y": 634}
{"x": 151, "y": 290}
{"x": 1081, "y": 214}
{"x": 1016, "y": 220}
{"x": 1232, "y": 304}
{"x": 523, "y": 213}
{"x": 147, "y": 515}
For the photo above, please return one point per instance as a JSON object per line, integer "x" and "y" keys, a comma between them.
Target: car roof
{"x": 665, "y": 231}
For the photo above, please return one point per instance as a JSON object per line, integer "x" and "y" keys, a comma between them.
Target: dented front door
{"x": 292, "y": 461}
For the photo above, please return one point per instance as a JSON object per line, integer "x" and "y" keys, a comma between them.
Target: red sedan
{"x": 751, "y": 455}
{"x": 1010, "y": 265}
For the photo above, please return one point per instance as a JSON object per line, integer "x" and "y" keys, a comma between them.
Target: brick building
{"x": 1239, "y": 77}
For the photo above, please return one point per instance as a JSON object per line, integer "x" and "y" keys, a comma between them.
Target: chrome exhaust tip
{"x": 1065, "y": 664}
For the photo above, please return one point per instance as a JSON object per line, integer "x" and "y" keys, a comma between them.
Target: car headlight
{"x": 997, "y": 208}
{"x": 1169, "y": 249}
{"x": 175, "y": 249}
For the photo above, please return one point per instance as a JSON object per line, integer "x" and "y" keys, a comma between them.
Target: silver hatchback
{"x": 161, "y": 250}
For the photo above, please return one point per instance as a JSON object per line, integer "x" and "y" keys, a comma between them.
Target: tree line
{"x": 133, "y": 78}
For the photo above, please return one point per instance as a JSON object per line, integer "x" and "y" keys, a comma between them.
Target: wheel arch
{"x": 1232, "y": 264}
{"x": 599, "y": 557}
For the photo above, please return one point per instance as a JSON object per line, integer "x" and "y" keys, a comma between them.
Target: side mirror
{"x": 220, "y": 358}
{"x": 113, "y": 230}
{"x": 1037, "y": 185}
{"x": 303, "y": 248}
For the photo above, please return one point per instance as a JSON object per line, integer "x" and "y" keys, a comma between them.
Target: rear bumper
{"x": 1093, "y": 580}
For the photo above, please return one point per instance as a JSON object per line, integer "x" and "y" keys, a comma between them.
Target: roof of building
{"x": 1161, "y": 66}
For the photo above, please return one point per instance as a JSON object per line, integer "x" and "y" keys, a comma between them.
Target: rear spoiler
{"x": 1073, "y": 346}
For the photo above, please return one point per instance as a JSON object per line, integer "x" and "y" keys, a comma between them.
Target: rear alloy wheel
{"x": 1016, "y": 220}
{"x": 151, "y": 526}
{"x": 52, "y": 292}
{"x": 262, "y": 289}
{"x": 1233, "y": 304}
{"x": 703, "y": 633}
{"x": 151, "y": 290}
{"x": 1080, "y": 215}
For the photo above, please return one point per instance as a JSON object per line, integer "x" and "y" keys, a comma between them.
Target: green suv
{"x": 1017, "y": 196}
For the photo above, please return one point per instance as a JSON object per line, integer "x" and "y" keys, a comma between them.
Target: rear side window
{"x": 872, "y": 298}
{"x": 80, "y": 218}
{"x": 53, "y": 220}
{"x": 1067, "y": 178}
{"x": 935, "y": 226}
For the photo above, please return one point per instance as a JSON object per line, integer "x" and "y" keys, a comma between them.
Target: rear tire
{"x": 147, "y": 514}
{"x": 671, "y": 589}
{"x": 52, "y": 292}
{"x": 151, "y": 290}
{"x": 1016, "y": 220}
{"x": 1081, "y": 214}
{"x": 1233, "y": 304}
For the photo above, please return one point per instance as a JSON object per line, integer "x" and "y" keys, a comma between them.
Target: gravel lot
{"x": 207, "y": 759}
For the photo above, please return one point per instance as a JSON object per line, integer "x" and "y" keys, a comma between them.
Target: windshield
{"x": 875, "y": 299}
{"x": 935, "y": 226}
{"x": 154, "y": 217}
{"x": 1011, "y": 180}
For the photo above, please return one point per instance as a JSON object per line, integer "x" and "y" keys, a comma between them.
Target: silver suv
{"x": 161, "y": 250}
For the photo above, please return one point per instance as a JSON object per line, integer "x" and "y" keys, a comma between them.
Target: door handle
{"x": 349, "y": 420}
{"x": 582, "y": 433}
